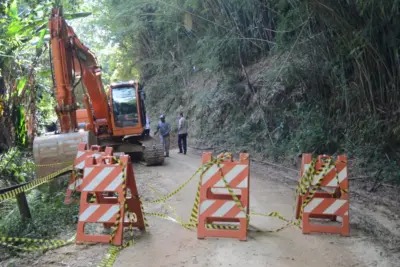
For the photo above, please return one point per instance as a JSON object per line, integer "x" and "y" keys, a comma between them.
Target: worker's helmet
{"x": 162, "y": 116}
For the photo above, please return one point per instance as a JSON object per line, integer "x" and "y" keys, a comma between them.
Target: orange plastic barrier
{"x": 79, "y": 163}
{"x": 330, "y": 201}
{"x": 101, "y": 176}
{"x": 216, "y": 203}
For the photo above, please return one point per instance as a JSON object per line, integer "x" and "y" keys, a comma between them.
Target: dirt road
{"x": 169, "y": 244}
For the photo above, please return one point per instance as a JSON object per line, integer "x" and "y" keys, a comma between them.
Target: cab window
{"x": 125, "y": 107}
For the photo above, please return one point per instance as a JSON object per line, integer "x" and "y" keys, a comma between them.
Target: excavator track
{"x": 153, "y": 151}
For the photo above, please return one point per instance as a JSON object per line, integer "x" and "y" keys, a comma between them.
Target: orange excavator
{"x": 117, "y": 120}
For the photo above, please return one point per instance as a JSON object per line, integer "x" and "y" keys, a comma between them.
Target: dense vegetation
{"x": 277, "y": 77}
{"x": 26, "y": 108}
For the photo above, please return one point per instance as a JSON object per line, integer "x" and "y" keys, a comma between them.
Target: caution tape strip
{"x": 239, "y": 204}
{"x": 53, "y": 164}
{"x": 45, "y": 244}
{"x": 111, "y": 256}
{"x": 312, "y": 189}
{"x": 34, "y": 184}
{"x": 202, "y": 168}
{"x": 165, "y": 203}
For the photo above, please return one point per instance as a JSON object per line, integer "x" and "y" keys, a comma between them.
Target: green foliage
{"x": 158, "y": 40}
{"x": 20, "y": 127}
{"x": 15, "y": 168}
{"x": 50, "y": 217}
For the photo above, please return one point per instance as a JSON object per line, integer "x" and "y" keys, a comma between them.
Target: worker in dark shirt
{"x": 164, "y": 129}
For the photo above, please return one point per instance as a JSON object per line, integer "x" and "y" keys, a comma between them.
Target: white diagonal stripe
{"x": 98, "y": 179}
{"x": 341, "y": 176}
{"x": 86, "y": 171}
{"x": 335, "y": 206}
{"x": 210, "y": 172}
{"x": 80, "y": 165}
{"x": 230, "y": 175}
{"x": 109, "y": 214}
{"x": 80, "y": 153}
{"x": 75, "y": 184}
{"x": 241, "y": 214}
{"x": 205, "y": 205}
{"x": 224, "y": 209}
{"x": 244, "y": 183}
{"x": 318, "y": 177}
{"x": 115, "y": 183}
{"x": 88, "y": 212}
{"x": 313, "y": 204}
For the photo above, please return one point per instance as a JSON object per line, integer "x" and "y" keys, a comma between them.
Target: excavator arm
{"x": 61, "y": 53}
{"x": 74, "y": 59}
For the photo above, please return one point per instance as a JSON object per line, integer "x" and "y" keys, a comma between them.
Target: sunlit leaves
{"x": 77, "y": 15}
{"x": 13, "y": 10}
{"x": 21, "y": 85}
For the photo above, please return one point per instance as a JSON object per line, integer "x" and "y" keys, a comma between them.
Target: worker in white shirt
{"x": 182, "y": 134}
{"x": 147, "y": 127}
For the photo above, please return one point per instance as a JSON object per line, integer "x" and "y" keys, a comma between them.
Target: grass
{"x": 51, "y": 218}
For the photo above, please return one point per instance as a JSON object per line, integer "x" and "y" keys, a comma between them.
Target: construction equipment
{"x": 117, "y": 120}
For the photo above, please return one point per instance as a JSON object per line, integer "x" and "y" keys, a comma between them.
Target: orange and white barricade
{"x": 103, "y": 175}
{"x": 79, "y": 162}
{"x": 328, "y": 196}
{"x": 217, "y": 205}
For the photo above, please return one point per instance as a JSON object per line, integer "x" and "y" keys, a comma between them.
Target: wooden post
{"x": 23, "y": 206}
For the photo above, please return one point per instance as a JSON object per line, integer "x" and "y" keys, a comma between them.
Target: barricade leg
{"x": 306, "y": 160}
{"x": 134, "y": 204}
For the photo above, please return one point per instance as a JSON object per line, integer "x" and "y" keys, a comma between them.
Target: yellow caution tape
{"x": 54, "y": 164}
{"x": 34, "y": 184}
{"x": 202, "y": 168}
{"x": 312, "y": 189}
{"x": 195, "y": 210}
{"x": 45, "y": 244}
{"x": 239, "y": 204}
{"x": 111, "y": 256}
{"x": 146, "y": 223}
{"x": 164, "y": 203}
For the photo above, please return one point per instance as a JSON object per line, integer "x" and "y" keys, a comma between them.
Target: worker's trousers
{"x": 182, "y": 143}
{"x": 165, "y": 142}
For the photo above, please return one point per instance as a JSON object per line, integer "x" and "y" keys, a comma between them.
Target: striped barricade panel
{"x": 327, "y": 195}
{"x": 96, "y": 213}
{"x": 109, "y": 181}
{"x": 222, "y": 209}
{"x": 224, "y": 197}
{"x": 82, "y": 154}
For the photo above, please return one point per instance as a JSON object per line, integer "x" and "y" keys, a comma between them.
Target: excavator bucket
{"x": 57, "y": 151}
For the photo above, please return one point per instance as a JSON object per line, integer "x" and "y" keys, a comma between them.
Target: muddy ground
{"x": 373, "y": 242}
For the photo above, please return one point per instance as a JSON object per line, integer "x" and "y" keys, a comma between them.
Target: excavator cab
{"x": 126, "y": 106}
